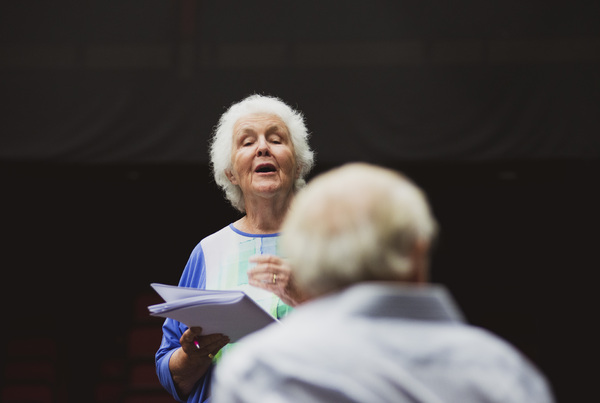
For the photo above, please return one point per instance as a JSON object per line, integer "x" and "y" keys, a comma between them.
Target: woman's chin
{"x": 271, "y": 190}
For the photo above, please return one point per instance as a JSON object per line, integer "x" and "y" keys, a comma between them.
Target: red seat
{"x": 109, "y": 391}
{"x": 32, "y": 347}
{"x": 27, "y": 393}
{"x": 149, "y": 398}
{"x": 143, "y": 341}
{"x": 30, "y": 370}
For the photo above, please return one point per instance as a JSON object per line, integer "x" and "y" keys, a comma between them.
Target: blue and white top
{"x": 218, "y": 262}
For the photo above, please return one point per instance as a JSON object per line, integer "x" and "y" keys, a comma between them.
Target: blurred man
{"x": 374, "y": 330}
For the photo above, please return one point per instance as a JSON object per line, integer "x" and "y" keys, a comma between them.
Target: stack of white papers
{"x": 231, "y": 313}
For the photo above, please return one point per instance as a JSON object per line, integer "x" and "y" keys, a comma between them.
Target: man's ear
{"x": 420, "y": 261}
{"x": 231, "y": 177}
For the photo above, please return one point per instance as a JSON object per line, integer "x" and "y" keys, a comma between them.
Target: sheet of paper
{"x": 231, "y": 313}
{"x": 172, "y": 292}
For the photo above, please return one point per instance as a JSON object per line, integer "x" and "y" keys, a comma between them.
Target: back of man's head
{"x": 355, "y": 223}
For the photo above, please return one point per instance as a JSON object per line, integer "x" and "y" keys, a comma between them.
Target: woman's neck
{"x": 265, "y": 218}
{"x": 249, "y": 226}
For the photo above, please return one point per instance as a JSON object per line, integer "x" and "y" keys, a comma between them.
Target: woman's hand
{"x": 190, "y": 362}
{"x": 274, "y": 274}
{"x": 196, "y": 345}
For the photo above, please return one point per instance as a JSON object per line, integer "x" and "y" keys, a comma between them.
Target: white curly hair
{"x": 222, "y": 141}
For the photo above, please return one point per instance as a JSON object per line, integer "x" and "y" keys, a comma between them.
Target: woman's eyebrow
{"x": 249, "y": 129}
{"x": 276, "y": 128}
{"x": 244, "y": 131}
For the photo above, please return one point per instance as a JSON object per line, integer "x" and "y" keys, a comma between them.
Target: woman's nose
{"x": 262, "y": 148}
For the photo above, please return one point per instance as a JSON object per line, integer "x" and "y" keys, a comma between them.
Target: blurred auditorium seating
{"x": 31, "y": 371}
{"x": 132, "y": 378}
{"x": 34, "y": 369}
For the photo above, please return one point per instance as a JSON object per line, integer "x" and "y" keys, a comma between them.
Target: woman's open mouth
{"x": 265, "y": 168}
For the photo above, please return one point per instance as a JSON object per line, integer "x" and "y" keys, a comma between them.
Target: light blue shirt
{"x": 378, "y": 342}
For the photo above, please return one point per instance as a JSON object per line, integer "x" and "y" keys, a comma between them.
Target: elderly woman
{"x": 260, "y": 157}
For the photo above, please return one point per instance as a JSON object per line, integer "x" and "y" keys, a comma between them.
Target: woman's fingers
{"x": 194, "y": 343}
{"x": 210, "y": 349}
{"x": 268, "y": 279}
{"x": 274, "y": 274}
{"x": 269, "y": 270}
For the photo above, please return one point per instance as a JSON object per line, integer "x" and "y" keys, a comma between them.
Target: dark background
{"x": 107, "y": 108}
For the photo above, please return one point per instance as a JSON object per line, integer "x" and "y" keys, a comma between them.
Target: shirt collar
{"x": 430, "y": 302}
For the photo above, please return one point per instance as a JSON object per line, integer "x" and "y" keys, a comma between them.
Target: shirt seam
{"x": 249, "y": 235}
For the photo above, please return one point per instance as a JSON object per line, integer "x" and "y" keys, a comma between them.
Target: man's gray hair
{"x": 355, "y": 223}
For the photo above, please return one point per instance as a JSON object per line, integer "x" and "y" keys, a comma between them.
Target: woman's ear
{"x": 231, "y": 177}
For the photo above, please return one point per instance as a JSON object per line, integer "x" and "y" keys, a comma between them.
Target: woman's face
{"x": 262, "y": 156}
